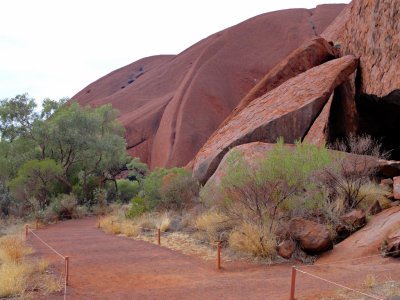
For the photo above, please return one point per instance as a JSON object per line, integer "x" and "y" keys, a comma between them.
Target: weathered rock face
{"x": 310, "y": 54}
{"x": 170, "y": 105}
{"x": 312, "y": 237}
{"x": 318, "y": 133}
{"x": 370, "y": 30}
{"x": 366, "y": 241}
{"x": 287, "y": 111}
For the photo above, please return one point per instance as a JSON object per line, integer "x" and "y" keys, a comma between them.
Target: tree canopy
{"x": 61, "y": 148}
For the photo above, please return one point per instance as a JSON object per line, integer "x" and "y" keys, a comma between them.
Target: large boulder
{"x": 368, "y": 240}
{"x": 287, "y": 111}
{"x": 312, "y": 237}
{"x": 170, "y": 105}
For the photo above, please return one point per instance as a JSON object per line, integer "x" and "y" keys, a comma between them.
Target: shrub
{"x": 127, "y": 189}
{"x": 361, "y": 145}
{"x": 64, "y": 207}
{"x": 178, "y": 190}
{"x": 169, "y": 189}
{"x": 137, "y": 208}
{"x": 281, "y": 183}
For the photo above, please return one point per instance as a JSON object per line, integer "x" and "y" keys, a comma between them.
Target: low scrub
{"x": 214, "y": 226}
{"x": 18, "y": 274}
{"x": 253, "y": 239}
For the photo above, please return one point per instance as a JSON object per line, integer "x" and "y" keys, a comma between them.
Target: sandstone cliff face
{"x": 170, "y": 105}
{"x": 287, "y": 111}
{"x": 370, "y": 29}
{"x": 369, "y": 103}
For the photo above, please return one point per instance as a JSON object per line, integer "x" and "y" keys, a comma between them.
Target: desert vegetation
{"x": 20, "y": 274}
{"x": 251, "y": 208}
{"x": 62, "y": 161}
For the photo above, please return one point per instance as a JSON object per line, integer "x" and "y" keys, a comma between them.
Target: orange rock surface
{"x": 370, "y": 29}
{"x": 170, "y": 105}
{"x": 287, "y": 111}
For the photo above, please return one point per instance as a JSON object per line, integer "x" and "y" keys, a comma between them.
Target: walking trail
{"x": 114, "y": 267}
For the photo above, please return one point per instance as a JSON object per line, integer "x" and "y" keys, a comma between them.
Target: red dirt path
{"x": 111, "y": 267}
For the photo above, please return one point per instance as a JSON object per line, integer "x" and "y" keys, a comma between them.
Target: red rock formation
{"x": 287, "y": 111}
{"x": 370, "y": 29}
{"x": 170, "y": 105}
{"x": 310, "y": 54}
{"x": 318, "y": 133}
{"x": 366, "y": 241}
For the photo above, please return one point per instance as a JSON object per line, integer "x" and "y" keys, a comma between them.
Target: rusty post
{"x": 159, "y": 236}
{"x": 219, "y": 255}
{"x": 293, "y": 283}
{"x": 26, "y": 230}
{"x": 66, "y": 269}
{"x": 112, "y": 225}
{"x": 37, "y": 225}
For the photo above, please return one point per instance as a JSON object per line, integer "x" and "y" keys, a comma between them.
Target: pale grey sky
{"x": 53, "y": 48}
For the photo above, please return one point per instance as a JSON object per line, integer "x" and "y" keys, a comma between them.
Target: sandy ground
{"x": 115, "y": 267}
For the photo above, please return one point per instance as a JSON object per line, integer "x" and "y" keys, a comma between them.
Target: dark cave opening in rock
{"x": 380, "y": 118}
{"x": 370, "y": 115}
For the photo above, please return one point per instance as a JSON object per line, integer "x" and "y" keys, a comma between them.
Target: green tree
{"x": 17, "y": 116}
{"x": 36, "y": 179}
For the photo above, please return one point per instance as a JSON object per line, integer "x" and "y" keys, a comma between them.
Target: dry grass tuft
{"x": 13, "y": 249}
{"x": 13, "y": 278}
{"x": 252, "y": 239}
{"x": 164, "y": 222}
{"x": 371, "y": 192}
{"x": 214, "y": 226}
{"x": 369, "y": 281}
{"x": 42, "y": 265}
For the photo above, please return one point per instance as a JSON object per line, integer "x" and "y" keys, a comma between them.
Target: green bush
{"x": 127, "y": 189}
{"x": 65, "y": 206}
{"x": 138, "y": 207}
{"x": 169, "y": 189}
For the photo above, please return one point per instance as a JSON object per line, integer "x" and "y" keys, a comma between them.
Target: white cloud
{"x": 52, "y": 48}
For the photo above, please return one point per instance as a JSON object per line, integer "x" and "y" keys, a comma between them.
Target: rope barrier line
{"x": 339, "y": 285}
{"x": 58, "y": 253}
{"x": 350, "y": 259}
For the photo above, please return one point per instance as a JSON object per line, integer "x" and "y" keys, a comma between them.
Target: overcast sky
{"x": 53, "y": 48}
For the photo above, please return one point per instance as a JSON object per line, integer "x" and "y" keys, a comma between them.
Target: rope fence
{"x": 64, "y": 258}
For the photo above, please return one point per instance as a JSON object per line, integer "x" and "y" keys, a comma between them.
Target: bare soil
{"x": 115, "y": 267}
